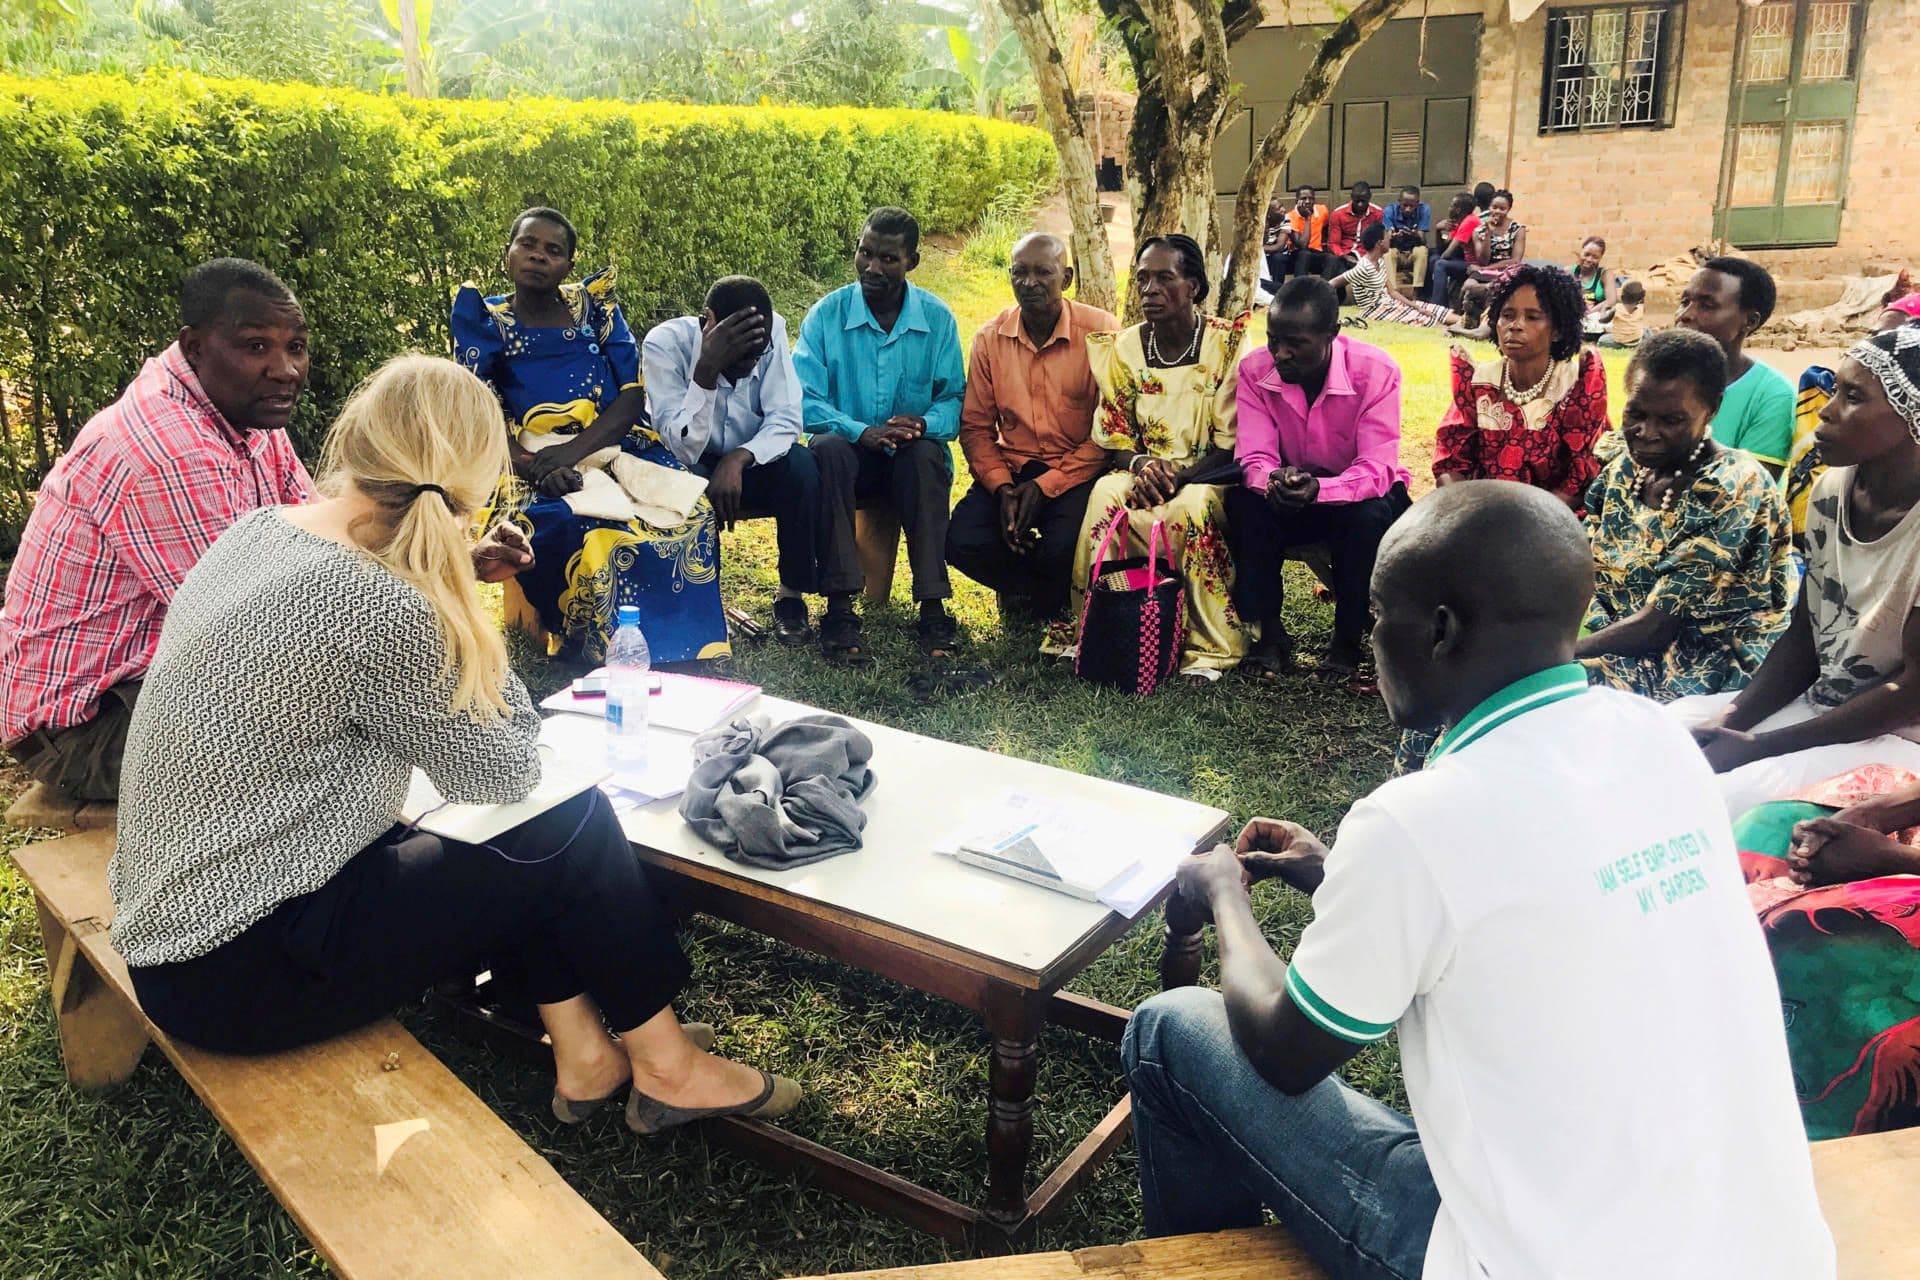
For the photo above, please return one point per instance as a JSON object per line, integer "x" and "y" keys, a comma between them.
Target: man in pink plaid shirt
{"x": 197, "y": 441}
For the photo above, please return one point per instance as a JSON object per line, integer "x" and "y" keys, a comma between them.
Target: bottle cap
{"x": 628, "y": 615}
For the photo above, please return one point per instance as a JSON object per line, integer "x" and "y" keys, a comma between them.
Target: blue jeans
{"x": 1345, "y": 1175}
{"x": 1445, "y": 272}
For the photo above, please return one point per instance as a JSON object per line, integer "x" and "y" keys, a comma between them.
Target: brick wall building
{"x": 1789, "y": 129}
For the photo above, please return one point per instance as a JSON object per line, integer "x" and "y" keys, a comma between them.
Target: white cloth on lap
{"x": 1778, "y": 777}
{"x": 615, "y": 485}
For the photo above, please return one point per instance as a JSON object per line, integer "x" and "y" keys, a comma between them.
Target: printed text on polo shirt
{"x": 1662, "y": 858}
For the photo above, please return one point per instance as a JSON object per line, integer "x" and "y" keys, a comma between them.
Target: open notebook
{"x": 572, "y": 758}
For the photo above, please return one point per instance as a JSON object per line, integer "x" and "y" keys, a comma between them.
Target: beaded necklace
{"x": 1673, "y": 487}
{"x": 1516, "y": 397}
{"x": 1193, "y": 347}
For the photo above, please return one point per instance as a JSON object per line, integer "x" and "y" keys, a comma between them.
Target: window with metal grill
{"x": 1609, "y": 67}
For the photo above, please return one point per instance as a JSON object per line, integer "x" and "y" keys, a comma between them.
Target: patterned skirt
{"x": 1427, "y": 315}
{"x": 585, "y": 569}
{"x": 1848, "y": 959}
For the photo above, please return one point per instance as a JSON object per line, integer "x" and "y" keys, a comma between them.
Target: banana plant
{"x": 968, "y": 63}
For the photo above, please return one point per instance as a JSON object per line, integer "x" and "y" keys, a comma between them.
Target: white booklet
{"x": 572, "y": 759}
{"x": 1069, "y": 848}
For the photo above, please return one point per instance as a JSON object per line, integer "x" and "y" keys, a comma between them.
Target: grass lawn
{"x": 142, "y": 1182}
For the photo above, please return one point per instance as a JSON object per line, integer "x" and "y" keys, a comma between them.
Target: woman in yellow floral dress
{"x": 1166, "y": 416}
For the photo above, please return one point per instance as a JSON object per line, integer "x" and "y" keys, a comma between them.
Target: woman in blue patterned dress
{"x": 567, "y": 371}
{"x": 1692, "y": 543}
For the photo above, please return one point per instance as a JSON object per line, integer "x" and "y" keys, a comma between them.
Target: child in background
{"x": 1629, "y": 317}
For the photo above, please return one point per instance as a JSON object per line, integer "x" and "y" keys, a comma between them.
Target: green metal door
{"x": 1795, "y": 82}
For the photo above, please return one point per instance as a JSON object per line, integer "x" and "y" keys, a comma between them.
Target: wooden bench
{"x": 465, "y": 1197}
{"x": 1868, "y": 1186}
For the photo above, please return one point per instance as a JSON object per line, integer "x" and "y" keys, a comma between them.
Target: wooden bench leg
{"x": 517, "y": 611}
{"x": 877, "y": 532}
{"x": 101, "y": 1035}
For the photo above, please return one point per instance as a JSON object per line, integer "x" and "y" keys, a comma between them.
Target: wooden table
{"x": 992, "y": 944}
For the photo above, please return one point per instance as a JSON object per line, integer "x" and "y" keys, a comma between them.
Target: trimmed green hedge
{"x": 374, "y": 208}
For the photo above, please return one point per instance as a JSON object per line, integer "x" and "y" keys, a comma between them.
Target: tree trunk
{"x": 410, "y": 50}
{"x": 1093, "y": 263}
{"x": 1179, "y": 54}
{"x": 1256, "y": 187}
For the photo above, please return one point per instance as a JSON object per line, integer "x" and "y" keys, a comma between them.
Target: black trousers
{"x": 1301, "y": 262}
{"x": 556, "y": 907}
{"x": 789, "y": 486}
{"x": 1259, "y": 534}
{"x": 1039, "y": 577}
{"x": 916, "y": 478}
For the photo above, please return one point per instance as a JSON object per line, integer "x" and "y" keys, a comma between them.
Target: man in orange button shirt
{"x": 1025, "y": 428}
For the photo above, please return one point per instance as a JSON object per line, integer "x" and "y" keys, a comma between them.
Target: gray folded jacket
{"x": 780, "y": 797}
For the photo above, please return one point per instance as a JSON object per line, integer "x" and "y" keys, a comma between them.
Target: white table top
{"x": 926, "y": 789}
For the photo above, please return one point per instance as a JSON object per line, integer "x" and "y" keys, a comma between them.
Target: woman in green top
{"x": 1728, "y": 299}
{"x": 1597, "y": 284}
{"x": 1691, "y": 540}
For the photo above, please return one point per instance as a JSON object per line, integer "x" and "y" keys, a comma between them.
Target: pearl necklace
{"x": 1666, "y": 499}
{"x": 1193, "y": 347}
{"x": 1517, "y": 397}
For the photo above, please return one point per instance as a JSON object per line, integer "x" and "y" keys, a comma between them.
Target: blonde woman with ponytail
{"x": 268, "y": 897}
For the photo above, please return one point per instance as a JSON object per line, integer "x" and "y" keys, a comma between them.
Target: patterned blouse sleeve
{"x": 1721, "y": 567}
{"x": 476, "y": 338}
{"x": 1113, "y": 420}
{"x": 1581, "y": 420}
{"x": 1453, "y": 442}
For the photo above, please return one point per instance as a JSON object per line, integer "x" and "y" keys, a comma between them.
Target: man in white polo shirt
{"x": 1553, "y": 915}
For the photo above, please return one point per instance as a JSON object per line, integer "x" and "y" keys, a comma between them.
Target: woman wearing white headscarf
{"x": 1834, "y": 692}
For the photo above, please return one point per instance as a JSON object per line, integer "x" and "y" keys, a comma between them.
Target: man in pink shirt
{"x": 1319, "y": 446}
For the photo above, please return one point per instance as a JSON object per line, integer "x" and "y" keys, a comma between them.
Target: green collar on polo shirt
{"x": 1518, "y": 698}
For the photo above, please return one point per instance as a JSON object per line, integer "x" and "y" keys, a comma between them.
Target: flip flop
{"x": 842, "y": 643}
{"x": 939, "y": 637}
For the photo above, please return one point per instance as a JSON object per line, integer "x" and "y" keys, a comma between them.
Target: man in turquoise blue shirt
{"x": 1728, "y": 299}
{"x": 882, "y": 377}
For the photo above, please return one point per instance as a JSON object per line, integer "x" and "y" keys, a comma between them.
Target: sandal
{"x": 1269, "y": 659}
{"x": 841, "y": 641}
{"x": 939, "y": 637}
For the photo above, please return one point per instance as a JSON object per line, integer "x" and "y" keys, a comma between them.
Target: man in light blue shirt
{"x": 723, "y": 394}
{"x": 883, "y": 375}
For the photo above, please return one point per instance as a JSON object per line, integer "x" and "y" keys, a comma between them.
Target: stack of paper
{"x": 691, "y": 704}
{"x": 1072, "y": 846}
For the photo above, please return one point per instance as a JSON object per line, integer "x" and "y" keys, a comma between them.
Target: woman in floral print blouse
{"x": 1166, "y": 417}
{"x": 1533, "y": 413}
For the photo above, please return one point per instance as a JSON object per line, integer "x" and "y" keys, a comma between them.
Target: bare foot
{"x": 584, "y": 1079}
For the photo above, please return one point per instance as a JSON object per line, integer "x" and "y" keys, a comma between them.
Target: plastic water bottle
{"x": 628, "y": 662}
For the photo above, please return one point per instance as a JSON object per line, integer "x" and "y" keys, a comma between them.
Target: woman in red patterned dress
{"x": 1533, "y": 413}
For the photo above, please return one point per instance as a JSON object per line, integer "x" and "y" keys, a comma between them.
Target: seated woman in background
{"x": 567, "y": 369}
{"x": 1836, "y": 690}
{"x": 1499, "y": 247}
{"x": 1834, "y": 874}
{"x": 267, "y": 895}
{"x": 1533, "y": 413}
{"x": 1166, "y": 419}
{"x": 1596, "y": 283}
{"x": 1692, "y": 547}
{"x": 1373, "y": 290}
